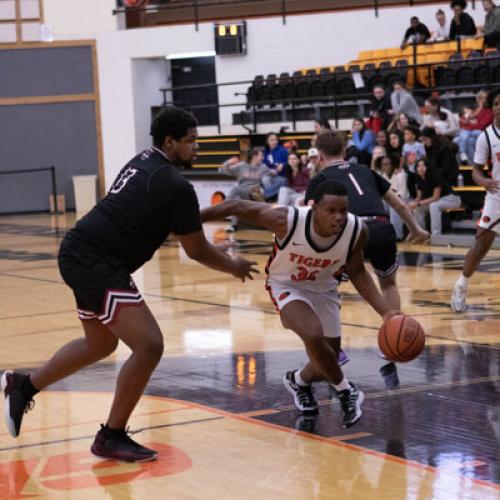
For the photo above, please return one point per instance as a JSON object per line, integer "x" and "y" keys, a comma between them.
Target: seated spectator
{"x": 380, "y": 112}
{"x": 442, "y": 30}
{"x": 378, "y": 152}
{"x": 395, "y": 143}
{"x": 392, "y": 170}
{"x": 398, "y": 125}
{"x": 275, "y": 157}
{"x": 442, "y": 120}
{"x": 249, "y": 177}
{"x": 416, "y": 33}
{"x": 491, "y": 28}
{"x": 403, "y": 102}
{"x": 410, "y": 167}
{"x": 313, "y": 165}
{"x": 361, "y": 145}
{"x": 411, "y": 142}
{"x": 440, "y": 155}
{"x": 462, "y": 25}
{"x": 382, "y": 139}
{"x": 434, "y": 195}
{"x": 472, "y": 123}
{"x": 298, "y": 180}
{"x": 321, "y": 125}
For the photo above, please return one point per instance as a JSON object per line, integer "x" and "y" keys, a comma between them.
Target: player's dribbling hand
{"x": 420, "y": 236}
{"x": 244, "y": 269}
{"x": 389, "y": 314}
{"x": 492, "y": 186}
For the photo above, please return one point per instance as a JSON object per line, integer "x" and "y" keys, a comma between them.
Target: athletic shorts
{"x": 490, "y": 218}
{"x": 101, "y": 284}
{"x": 381, "y": 250}
{"x": 326, "y": 305}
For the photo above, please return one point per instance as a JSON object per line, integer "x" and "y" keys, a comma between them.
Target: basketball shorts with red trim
{"x": 100, "y": 284}
{"x": 490, "y": 217}
{"x": 326, "y": 305}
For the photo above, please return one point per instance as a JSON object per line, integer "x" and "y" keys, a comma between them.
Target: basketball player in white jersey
{"x": 312, "y": 246}
{"x": 487, "y": 149}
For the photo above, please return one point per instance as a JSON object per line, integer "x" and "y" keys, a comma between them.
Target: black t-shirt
{"x": 432, "y": 180}
{"x": 365, "y": 188}
{"x": 148, "y": 199}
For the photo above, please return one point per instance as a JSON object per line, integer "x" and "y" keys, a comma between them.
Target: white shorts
{"x": 326, "y": 305}
{"x": 490, "y": 218}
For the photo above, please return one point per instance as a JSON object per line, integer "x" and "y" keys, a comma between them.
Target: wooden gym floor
{"x": 216, "y": 408}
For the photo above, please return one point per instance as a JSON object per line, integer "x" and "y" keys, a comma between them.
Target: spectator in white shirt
{"x": 442, "y": 31}
{"x": 442, "y": 120}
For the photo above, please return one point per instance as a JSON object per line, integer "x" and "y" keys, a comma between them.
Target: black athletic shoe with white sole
{"x": 350, "y": 405}
{"x": 303, "y": 397}
{"x": 389, "y": 373}
{"x": 17, "y": 402}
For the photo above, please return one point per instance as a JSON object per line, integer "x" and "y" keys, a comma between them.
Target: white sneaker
{"x": 464, "y": 158}
{"x": 457, "y": 302}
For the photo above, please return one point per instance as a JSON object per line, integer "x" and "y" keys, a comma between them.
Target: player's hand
{"x": 389, "y": 314}
{"x": 419, "y": 236}
{"x": 244, "y": 269}
{"x": 491, "y": 185}
{"x": 412, "y": 205}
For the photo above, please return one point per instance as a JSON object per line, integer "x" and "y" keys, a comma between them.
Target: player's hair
{"x": 492, "y": 96}
{"x": 330, "y": 143}
{"x": 173, "y": 122}
{"x": 329, "y": 187}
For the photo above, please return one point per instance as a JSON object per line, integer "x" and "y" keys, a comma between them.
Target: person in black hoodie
{"x": 462, "y": 25}
{"x": 380, "y": 107}
{"x": 440, "y": 155}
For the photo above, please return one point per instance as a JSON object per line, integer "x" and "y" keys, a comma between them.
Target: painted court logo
{"x": 79, "y": 470}
{"x": 486, "y": 219}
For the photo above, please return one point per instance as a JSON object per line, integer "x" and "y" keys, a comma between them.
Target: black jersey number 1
{"x": 356, "y": 185}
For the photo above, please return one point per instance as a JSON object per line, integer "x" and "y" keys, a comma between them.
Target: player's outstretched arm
{"x": 261, "y": 215}
{"x": 198, "y": 248}
{"x": 361, "y": 279}
{"x": 417, "y": 234}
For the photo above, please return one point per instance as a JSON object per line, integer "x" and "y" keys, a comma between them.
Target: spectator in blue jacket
{"x": 362, "y": 143}
{"x": 276, "y": 158}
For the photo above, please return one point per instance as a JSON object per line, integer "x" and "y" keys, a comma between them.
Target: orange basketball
{"x": 401, "y": 338}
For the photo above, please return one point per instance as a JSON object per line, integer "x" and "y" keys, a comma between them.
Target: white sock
{"x": 299, "y": 381}
{"x": 344, "y": 384}
{"x": 463, "y": 282}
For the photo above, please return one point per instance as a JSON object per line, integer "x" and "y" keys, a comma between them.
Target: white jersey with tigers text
{"x": 298, "y": 262}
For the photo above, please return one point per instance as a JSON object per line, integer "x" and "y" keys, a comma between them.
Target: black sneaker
{"x": 116, "y": 444}
{"x": 350, "y": 405}
{"x": 389, "y": 373}
{"x": 303, "y": 396}
{"x": 17, "y": 403}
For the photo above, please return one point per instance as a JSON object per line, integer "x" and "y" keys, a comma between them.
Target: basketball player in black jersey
{"x": 148, "y": 200}
{"x": 366, "y": 191}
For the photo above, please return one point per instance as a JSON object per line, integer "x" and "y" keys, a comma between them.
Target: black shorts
{"x": 382, "y": 250}
{"x": 100, "y": 283}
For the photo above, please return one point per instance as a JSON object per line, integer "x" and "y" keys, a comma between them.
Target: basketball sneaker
{"x": 350, "y": 405}
{"x": 389, "y": 373}
{"x": 457, "y": 302}
{"x": 343, "y": 358}
{"x": 116, "y": 444}
{"x": 17, "y": 400}
{"x": 303, "y": 396}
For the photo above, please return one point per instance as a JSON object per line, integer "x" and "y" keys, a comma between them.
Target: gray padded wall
{"x": 46, "y": 71}
{"x": 40, "y": 135}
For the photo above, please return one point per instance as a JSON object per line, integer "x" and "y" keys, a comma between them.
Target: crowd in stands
{"x": 461, "y": 25}
{"x": 419, "y": 151}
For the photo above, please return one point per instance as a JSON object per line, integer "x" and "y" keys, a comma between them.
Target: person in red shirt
{"x": 472, "y": 123}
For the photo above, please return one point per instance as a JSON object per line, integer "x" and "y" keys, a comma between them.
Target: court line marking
{"x": 341, "y": 444}
{"x": 348, "y": 437}
{"x": 85, "y": 422}
{"x": 92, "y": 436}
